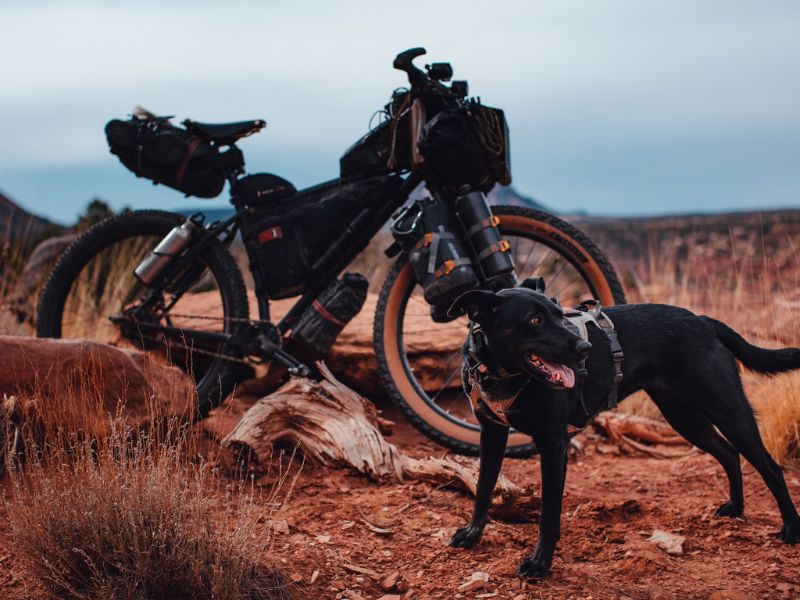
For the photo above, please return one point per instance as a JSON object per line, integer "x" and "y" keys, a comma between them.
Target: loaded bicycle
{"x": 168, "y": 284}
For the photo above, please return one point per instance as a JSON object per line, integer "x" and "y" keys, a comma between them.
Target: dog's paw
{"x": 533, "y": 567}
{"x": 790, "y": 533}
{"x": 467, "y": 536}
{"x": 729, "y": 509}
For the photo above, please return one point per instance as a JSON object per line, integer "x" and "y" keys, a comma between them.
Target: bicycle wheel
{"x": 93, "y": 283}
{"x": 410, "y": 346}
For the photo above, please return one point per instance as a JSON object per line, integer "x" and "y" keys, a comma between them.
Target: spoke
{"x": 527, "y": 258}
{"x": 541, "y": 262}
{"x": 446, "y": 384}
{"x": 560, "y": 271}
{"x": 569, "y": 283}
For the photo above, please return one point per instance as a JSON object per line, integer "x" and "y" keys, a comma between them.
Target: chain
{"x": 226, "y": 357}
{"x": 231, "y": 319}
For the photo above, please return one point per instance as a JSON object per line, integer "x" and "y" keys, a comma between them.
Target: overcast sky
{"x": 615, "y": 107}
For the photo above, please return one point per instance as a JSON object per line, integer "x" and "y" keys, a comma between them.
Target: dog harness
{"x": 590, "y": 311}
{"x": 494, "y": 390}
{"x": 491, "y": 390}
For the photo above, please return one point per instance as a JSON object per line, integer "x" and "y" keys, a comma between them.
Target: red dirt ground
{"x": 613, "y": 502}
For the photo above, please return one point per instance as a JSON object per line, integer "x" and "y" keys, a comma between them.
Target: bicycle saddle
{"x": 224, "y": 132}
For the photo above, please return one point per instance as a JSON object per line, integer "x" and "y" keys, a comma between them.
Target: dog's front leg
{"x": 553, "y": 451}
{"x": 493, "y": 447}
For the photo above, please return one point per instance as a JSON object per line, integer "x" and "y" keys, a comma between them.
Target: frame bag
{"x": 292, "y": 239}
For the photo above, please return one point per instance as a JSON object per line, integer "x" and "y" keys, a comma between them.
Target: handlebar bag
{"x": 454, "y": 156}
{"x": 492, "y": 130}
{"x": 291, "y": 240}
{"x": 155, "y": 149}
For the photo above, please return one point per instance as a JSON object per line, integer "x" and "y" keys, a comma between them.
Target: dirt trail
{"x": 612, "y": 505}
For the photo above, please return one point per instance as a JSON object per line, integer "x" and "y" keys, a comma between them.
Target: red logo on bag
{"x": 273, "y": 233}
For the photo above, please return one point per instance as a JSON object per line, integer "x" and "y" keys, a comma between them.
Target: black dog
{"x": 686, "y": 363}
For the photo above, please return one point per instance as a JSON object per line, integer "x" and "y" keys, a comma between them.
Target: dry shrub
{"x": 777, "y": 404}
{"x": 136, "y": 515}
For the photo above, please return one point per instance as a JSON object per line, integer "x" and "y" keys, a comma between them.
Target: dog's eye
{"x": 536, "y": 320}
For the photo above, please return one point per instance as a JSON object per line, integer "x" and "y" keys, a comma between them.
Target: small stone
{"x": 476, "y": 581}
{"x": 281, "y": 526}
{"x": 390, "y": 581}
{"x": 668, "y": 542}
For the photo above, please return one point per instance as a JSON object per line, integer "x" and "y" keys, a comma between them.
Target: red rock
{"x": 98, "y": 375}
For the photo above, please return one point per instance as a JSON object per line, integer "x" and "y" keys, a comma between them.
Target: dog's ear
{"x": 534, "y": 283}
{"x": 478, "y": 304}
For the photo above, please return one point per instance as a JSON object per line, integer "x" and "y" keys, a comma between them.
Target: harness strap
{"x": 590, "y": 311}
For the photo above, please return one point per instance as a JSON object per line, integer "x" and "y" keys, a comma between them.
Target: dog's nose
{"x": 583, "y": 347}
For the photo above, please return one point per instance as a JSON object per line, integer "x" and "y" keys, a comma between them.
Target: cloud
{"x": 587, "y": 86}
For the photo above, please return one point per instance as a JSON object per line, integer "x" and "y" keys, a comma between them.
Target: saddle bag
{"x": 157, "y": 150}
{"x": 323, "y": 321}
{"x": 480, "y": 225}
{"x": 439, "y": 261}
{"x": 289, "y": 238}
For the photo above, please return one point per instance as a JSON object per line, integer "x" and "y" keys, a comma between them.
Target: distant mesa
{"x": 509, "y": 196}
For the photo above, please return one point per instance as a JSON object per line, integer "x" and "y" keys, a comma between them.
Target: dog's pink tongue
{"x": 561, "y": 374}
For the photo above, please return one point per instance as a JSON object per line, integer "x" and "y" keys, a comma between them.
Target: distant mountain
{"x": 510, "y": 196}
{"x": 17, "y": 224}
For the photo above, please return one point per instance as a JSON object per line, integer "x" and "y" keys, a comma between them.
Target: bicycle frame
{"x": 341, "y": 253}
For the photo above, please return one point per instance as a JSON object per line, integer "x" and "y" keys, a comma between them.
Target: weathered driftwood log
{"x": 638, "y": 433}
{"x": 334, "y": 426}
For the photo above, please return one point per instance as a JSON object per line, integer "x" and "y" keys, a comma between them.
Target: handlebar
{"x": 403, "y": 62}
{"x": 419, "y": 80}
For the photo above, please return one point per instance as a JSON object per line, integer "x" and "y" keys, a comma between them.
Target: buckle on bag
{"x": 445, "y": 268}
{"x": 426, "y": 240}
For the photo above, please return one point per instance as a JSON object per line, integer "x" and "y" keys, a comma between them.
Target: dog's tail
{"x": 754, "y": 358}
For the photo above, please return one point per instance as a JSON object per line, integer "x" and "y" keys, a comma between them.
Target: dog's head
{"x": 525, "y": 331}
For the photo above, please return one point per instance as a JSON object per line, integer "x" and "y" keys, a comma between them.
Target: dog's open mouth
{"x": 555, "y": 374}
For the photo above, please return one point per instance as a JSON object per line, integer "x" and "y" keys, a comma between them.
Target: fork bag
{"x": 440, "y": 263}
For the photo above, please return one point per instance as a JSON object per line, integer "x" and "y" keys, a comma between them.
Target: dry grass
{"x": 753, "y": 289}
{"x": 127, "y": 515}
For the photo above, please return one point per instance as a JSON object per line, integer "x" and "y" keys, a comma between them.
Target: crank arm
{"x": 271, "y": 351}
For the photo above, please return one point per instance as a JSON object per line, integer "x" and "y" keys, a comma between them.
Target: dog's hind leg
{"x": 698, "y": 429}
{"x": 493, "y": 447}
{"x": 732, "y": 414}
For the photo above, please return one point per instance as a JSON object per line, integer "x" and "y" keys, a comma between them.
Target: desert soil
{"x": 342, "y": 536}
